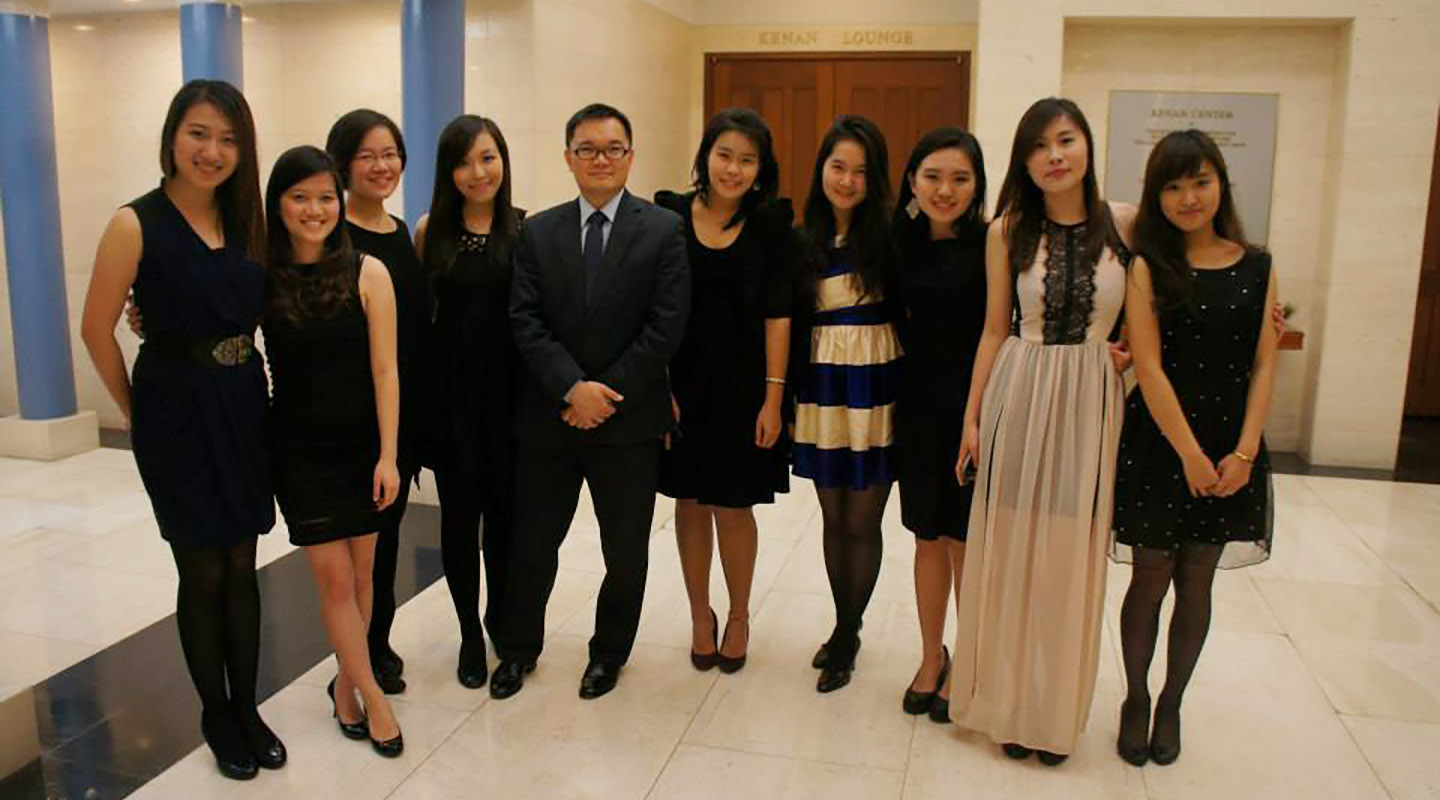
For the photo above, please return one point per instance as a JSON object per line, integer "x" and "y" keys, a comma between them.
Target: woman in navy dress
{"x": 196, "y": 400}
{"x": 1192, "y": 490}
{"x": 845, "y": 354}
{"x": 370, "y": 153}
{"x": 939, "y": 231}
{"x": 467, "y": 244}
{"x": 728, "y": 378}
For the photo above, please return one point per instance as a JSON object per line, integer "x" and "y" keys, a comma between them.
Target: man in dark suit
{"x": 598, "y": 304}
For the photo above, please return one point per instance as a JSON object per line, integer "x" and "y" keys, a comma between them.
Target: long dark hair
{"x": 239, "y": 195}
{"x": 447, "y": 205}
{"x": 336, "y": 267}
{"x": 1181, "y": 154}
{"x": 869, "y": 234}
{"x": 346, "y": 134}
{"x": 912, "y": 232}
{"x": 1024, "y": 202}
{"x": 767, "y": 180}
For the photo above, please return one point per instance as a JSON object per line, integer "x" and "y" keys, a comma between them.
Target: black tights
{"x": 853, "y": 549}
{"x": 218, "y": 613}
{"x": 387, "y": 553}
{"x": 462, "y": 508}
{"x": 1192, "y": 569}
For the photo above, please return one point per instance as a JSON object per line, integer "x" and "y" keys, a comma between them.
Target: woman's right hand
{"x": 1200, "y": 474}
{"x": 132, "y": 316}
{"x": 969, "y": 451}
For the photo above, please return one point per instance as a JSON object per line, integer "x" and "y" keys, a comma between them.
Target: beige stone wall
{"x": 1379, "y": 140}
{"x": 1297, "y": 63}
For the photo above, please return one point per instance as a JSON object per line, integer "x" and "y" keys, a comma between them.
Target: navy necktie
{"x": 594, "y": 247}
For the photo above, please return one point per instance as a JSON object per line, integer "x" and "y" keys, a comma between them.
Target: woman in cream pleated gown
{"x": 1042, "y": 427}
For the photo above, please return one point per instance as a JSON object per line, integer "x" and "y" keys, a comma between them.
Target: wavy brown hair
{"x": 1023, "y": 203}
{"x": 239, "y": 195}
{"x": 285, "y": 292}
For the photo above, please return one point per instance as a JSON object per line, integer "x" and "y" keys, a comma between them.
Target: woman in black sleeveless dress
{"x": 197, "y": 402}
{"x": 939, "y": 231}
{"x": 1192, "y": 488}
{"x": 370, "y": 153}
{"x": 728, "y": 377}
{"x": 330, "y": 333}
{"x": 466, "y": 243}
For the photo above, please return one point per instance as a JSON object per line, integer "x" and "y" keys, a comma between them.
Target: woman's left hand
{"x": 767, "y": 425}
{"x": 1234, "y": 475}
{"x": 387, "y": 484}
{"x": 1120, "y": 355}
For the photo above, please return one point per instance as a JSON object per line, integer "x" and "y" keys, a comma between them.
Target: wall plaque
{"x": 1243, "y": 125}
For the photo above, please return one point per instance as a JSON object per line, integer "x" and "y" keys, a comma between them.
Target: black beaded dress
{"x": 1207, "y": 349}
{"x": 942, "y": 292}
{"x": 198, "y": 430}
{"x": 718, "y": 374}
{"x": 324, "y": 431}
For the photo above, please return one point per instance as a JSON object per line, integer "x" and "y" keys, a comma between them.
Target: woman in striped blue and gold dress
{"x": 846, "y": 369}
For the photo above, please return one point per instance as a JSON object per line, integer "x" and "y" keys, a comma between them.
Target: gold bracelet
{"x": 1243, "y": 457}
{"x": 780, "y": 381}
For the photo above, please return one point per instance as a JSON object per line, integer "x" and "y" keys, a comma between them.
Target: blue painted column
{"x": 211, "y": 42}
{"x": 30, "y": 197}
{"x": 432, "y": 35}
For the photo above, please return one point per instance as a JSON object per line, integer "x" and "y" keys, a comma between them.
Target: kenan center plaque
{"x": 1243, "y": 125}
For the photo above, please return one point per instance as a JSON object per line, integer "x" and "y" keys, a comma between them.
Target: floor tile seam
{"x": 680, "y": 739}
{"x": 909, "y": 756}
{"x": 460, "y": 723}
{"x": 169, "y": 575}
{"x": 1372, "y": 718}
{"x": 1350, "y": 734}
{"x": 1365, "y": 543}
{"x": 821, "y": 761}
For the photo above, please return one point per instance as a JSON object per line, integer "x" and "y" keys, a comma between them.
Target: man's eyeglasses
{"x": 613, "y": 152}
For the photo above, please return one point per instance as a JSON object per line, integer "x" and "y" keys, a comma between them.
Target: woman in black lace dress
{"x": 728, "y": 378}
{"x": 466, "y": 243}
{"x": 370, "y": 153}
{"x": 1193, "y": 487}
{"x": 334, "y": 414}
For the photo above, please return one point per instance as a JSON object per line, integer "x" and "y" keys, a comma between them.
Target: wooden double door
{"x": 800, "y": 95}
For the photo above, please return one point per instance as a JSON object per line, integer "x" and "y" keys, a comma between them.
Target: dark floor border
{"x": 107, "y": 725}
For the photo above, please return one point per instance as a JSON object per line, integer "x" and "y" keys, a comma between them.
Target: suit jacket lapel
{"x": 570, "y": 258}
{"x": 627, "y": 220}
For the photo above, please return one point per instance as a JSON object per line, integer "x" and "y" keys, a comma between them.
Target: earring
{"x": 912, "y": 208}
{"x": 755, "y": 187}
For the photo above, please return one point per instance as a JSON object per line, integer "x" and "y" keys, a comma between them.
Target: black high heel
{"x": 707, "y": 661}
{"x": 226, "y": 742}
{"x": 836, "y": 675}
{"x": 389, "y": 748}
{"x": 1164, "y": 753}
{"x": 1019, "y": 752}
{"x": 352, "y": 730}
{"x": 267, "y": 749}
{"x": 727, "y": 664}
{"x": 917, "y": 703}
{"x": 1125, "y": 746}
{"x": 472, "y": 671}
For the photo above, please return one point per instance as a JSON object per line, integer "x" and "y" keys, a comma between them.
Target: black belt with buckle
{"x": 211, "y": 351}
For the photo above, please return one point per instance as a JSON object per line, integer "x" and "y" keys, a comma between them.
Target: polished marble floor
{"x": 1321, "y": 678}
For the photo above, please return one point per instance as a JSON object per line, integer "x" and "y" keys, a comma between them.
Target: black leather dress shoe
{"x": 598, "y": 680}
{"x": 472, "y": 670}
{"x": 265, "y": 746}
{"x": 509, "y": 678}
{"x": 822, "y": 656}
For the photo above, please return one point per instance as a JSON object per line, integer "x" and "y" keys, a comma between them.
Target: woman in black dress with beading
{"x": 1192, "y": 488}
{"x": 370, "y": 152}
{"x": 727, "y": 381}
{"x": 467, "y": 243}
{"x": 334, "y": 415}
{"x": 939, "y": 232}
{"x": 196, "y": 406}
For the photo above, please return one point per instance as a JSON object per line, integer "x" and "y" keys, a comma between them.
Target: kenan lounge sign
{"x": 864, "y": 37}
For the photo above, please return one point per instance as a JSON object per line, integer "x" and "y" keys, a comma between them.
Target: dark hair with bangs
{"x": 447, "y": 205}
{"x": 1022, "y": 202}
{"x": 911, "y": 233}
{"x": 869, "y": 234}
{"x": 1181, "y": 154}
{"x": 346, "y": 134}
{"x": 336, "y": 266}
{"x": 767, "y": 180}
{"x": 239, "y": 195}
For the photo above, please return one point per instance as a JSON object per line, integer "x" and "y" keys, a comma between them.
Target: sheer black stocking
{"x": 853, "y": 548}
{"x": 1192, "y": 570}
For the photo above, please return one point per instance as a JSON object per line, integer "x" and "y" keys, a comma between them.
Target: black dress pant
{"x": 622, "y": 487}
